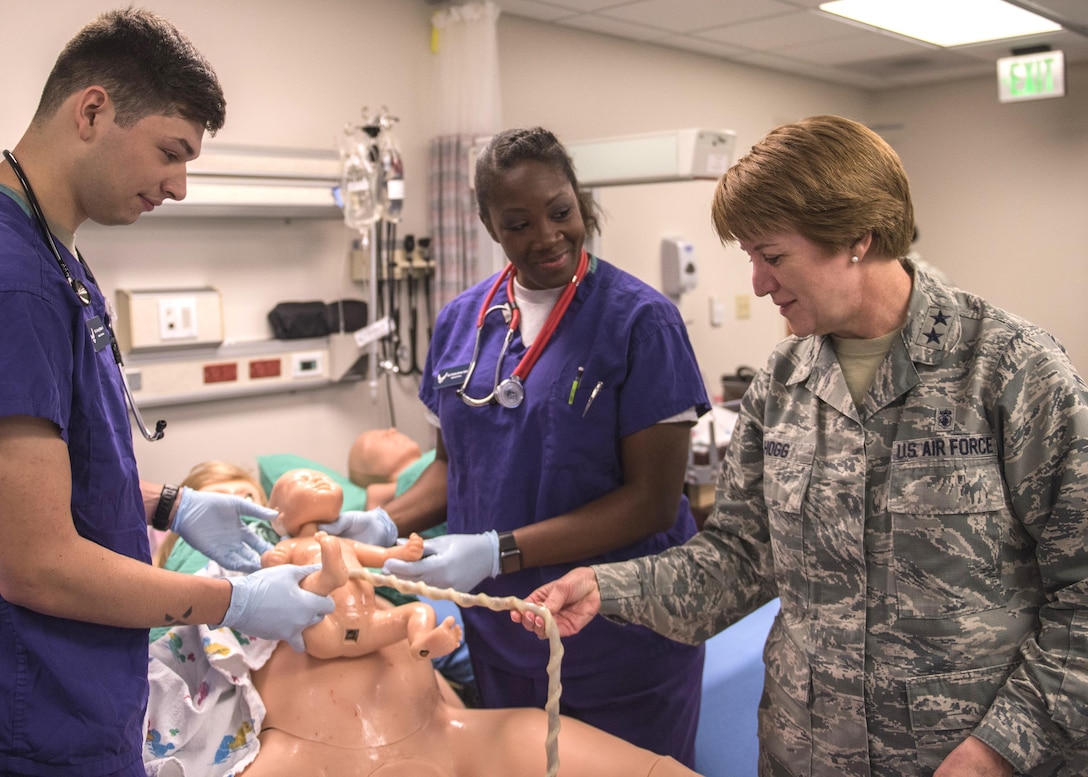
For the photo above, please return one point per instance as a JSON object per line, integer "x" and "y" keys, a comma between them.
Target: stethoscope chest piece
{"x": 511, "y": 392}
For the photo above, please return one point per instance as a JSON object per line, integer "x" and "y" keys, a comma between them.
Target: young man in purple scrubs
{"x": 124, "y": 109}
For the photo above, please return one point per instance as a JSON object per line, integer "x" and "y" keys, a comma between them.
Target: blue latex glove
{"x": 212, "y": 523}
{"x": 457, "y": 561}
{"x": 372, "y": 527}
{"x": 270, "y": 604}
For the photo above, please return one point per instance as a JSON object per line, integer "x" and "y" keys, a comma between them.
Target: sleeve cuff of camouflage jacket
{"x": 620, "y": 588}
{"x": 1016, "y": 734}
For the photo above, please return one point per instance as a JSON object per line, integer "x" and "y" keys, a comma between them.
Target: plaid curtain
{"x": 454, "y": 221}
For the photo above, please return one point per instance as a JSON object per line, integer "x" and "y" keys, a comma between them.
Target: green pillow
{"x": 413, "y": 471}
{"x": 271, "y": 467}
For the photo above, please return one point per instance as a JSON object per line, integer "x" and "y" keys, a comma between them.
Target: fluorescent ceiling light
{"x": 944, "y": 22}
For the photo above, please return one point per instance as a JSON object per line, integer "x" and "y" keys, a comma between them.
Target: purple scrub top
{"x": 72, "y": 694}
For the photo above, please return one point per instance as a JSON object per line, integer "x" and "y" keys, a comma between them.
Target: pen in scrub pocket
{"x": 574, "y": 386}
{"x": 593, "y": 395}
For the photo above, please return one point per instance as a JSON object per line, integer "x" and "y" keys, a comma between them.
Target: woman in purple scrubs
{"x": 566, "y": 446}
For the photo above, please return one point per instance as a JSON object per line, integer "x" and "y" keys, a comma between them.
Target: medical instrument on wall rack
{"x": 410, "y": 271}
{"x": 84, "y": 295}
{"x": 510, "y": 393}
{"x": 428, "y": 273}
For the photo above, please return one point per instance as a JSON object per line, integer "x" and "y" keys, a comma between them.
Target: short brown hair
{"x": 830, "y": 179}
{"x": 146, "y": 65}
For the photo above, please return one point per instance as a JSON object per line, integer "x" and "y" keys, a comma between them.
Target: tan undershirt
{"x": 859, "y": 360}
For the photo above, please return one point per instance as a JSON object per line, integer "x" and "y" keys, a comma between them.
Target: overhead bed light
{"x": 944, "y": 23}
{"x": 229, "y": 180}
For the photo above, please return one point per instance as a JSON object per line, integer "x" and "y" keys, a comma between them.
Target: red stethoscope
{"x": 511, "y": 392}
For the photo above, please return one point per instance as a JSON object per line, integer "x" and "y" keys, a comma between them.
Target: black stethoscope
{"x": 83, "y": 293}
{"x": 511, "y": 392}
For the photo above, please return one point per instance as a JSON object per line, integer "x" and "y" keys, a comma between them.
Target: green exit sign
{"x": 1031, "y": 76}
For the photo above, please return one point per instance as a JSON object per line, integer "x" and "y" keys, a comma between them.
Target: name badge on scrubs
{"x": 453, "y": 376}
{"x": 100, "y": 336}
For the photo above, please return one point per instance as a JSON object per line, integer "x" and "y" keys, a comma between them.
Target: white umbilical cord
{"x": 505, "y": 603}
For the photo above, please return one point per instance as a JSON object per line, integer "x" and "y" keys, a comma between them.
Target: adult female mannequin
{"x": 362, "y": 700}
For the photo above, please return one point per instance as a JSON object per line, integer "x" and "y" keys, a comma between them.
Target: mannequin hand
{"x": 371, "y": 527}
{"x": 212, "y": 523}
{"x": 457, "y": 561}
{"x": 271, "y": 604}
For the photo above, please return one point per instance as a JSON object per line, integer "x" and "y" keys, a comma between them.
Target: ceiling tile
{"x": 579, "y": 6}
{"x": 700, "y": 45}
{"x": 855, "y": 48}
{"x": 790, "y": 36}
{"x": 780, "y": 32}
{"x": 529, "y": 9}
{"x": 689, "y": 15}
{"x": 615, "y": 27}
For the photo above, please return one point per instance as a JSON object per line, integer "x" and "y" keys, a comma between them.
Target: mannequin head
{"x": 305, "y": 498}
{"x": 225, "y": 478}
{"x": 379, "y": 455}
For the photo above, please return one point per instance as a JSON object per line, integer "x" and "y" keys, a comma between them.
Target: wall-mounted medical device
{"x": 679, "y": 271}
{"x": 259, "y": 182}
{"x": 168, "y": 319}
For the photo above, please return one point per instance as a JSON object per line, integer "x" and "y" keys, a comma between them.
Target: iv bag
{"x": 358, "y": 182}
{"x": 391, "y": 198}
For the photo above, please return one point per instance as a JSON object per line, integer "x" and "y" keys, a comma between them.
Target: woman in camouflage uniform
{"x": 909, "y": 474}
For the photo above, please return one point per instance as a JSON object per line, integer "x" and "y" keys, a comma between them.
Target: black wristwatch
{"x": 161, "y": 519}
{"x": 509, "y": 553}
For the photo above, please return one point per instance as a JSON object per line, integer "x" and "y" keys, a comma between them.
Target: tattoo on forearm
{"x": 170, "y": 620}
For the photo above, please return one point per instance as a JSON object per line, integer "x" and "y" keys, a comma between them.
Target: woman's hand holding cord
{"x": 574, "y": 600}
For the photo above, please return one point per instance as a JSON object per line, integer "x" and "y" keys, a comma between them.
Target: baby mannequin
{"x": 362, "y": 701}
{"x": 305, "y": 498}
{"x": 376, "y": 459}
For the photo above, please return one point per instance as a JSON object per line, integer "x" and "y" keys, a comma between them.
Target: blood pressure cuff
{"x": 345, "y": 315}
{"x": 296, "y": 320}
